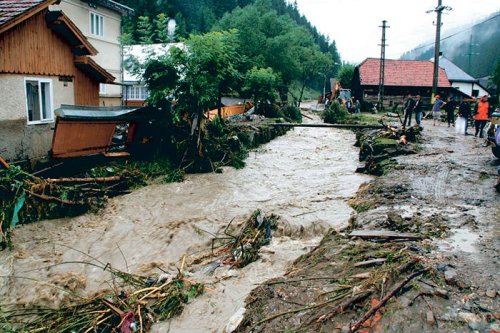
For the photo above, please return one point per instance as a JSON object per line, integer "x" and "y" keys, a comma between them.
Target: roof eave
{"x": 26, "y": 15}
{"x": 57, "y": 19}
{"x": 117, "y": 7}
{"x": 90, "y": 67}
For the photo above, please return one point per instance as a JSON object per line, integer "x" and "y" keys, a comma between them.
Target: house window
{"x": 39, "y": 100}
{"x": 137, "y": 93}
{"x": 102, "y": 88}
{"x": 96, "y": 24}
{"x": 475, "y": 92}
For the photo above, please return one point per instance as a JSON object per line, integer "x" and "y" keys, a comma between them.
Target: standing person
{"x": 481, "y": 116}
{"x": 358, "y": 106}
{"x": 464, "y": 113}
{"x": 418, "y": 110}
{"x": 436, "y": 109}
{"x": 449, "y": 107}
{"x": 408, "y": 107}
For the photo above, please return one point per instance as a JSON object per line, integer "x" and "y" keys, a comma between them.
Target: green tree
{"x": 261, "y": 83}
{"x": 145, "y": 30}
{"x": 161, "y": 23}
{"x": 197, "y": 76}
{"x": 346, "y": 75}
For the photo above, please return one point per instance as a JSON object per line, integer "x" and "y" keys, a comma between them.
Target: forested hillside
{"x": 201, "y": 16}
{"x": 473, "y": 49}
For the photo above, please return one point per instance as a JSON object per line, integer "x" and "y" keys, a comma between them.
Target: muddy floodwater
{"x": 305, "y": 177}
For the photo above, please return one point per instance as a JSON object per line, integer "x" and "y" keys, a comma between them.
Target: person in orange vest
{"x": 481, "y": 116}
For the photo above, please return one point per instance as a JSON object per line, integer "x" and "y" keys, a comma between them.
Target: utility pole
{"x": 439, "y": 10}
{"x": 380, "y": 101}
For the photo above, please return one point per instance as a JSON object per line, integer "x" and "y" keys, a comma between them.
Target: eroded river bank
{"x": 305, "y": 177}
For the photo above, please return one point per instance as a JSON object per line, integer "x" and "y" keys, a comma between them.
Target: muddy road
{"x": 305, "y": 177}
{"x": 444, "y": 193}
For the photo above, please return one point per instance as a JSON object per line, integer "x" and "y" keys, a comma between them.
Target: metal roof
{"x": 454, "y": 72}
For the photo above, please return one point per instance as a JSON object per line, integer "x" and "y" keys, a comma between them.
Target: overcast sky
{"x": 354, "y": 24}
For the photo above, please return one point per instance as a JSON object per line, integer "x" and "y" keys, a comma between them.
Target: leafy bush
{"x": 292, "y": 113}
{"x": 335, "y": 113}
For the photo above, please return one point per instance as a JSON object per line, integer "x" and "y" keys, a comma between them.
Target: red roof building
{"x": 401, "y": 73}
{"x": 400, "y": 78}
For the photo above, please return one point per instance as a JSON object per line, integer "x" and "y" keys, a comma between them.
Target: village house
{"x": 400, "y": 78}
{"x": 462, "y": 81}
{"x": 101, "y": 22}
{"x": 45, "y": 61}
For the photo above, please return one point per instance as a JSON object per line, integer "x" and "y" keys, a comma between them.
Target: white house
{"x": 100, "y": 21}
{"x": 460, "y": 80}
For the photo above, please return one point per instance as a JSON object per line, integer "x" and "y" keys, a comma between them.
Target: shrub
{"x": 292, "y": 113}
{"x": 335, "y": 113}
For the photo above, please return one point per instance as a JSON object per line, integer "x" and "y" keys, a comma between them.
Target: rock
{"x": 491, "y": 293}
{"x": 450, "y": 276}
{"x": 235, "y": 321}
{"x": 429, "y": 318}
{"x": 469, "y": 317}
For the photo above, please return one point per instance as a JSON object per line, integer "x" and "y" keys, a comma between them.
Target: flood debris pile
{"x": 348, "y": 283}
{"x": 25, "y": 198}
{"x": 135, "y": 303}
{"x": 239, "y": 246}
{"x": 379, "y": 147}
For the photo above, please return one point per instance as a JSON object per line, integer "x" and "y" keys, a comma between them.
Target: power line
{"x": 457, "y": 33}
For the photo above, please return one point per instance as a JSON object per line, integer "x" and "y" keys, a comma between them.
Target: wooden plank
{"x": 383, "y": 234}
{"x": 370, "y": 262}
{"x": 84, "y": 180}
{"x": 4, "y": 163}
{"x": 328, "y": 125}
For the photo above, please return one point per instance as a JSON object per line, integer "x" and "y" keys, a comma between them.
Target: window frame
{"x": 50, "y": 119}
{"x": 96, "y": 18}
{"x": 102, "y": 89}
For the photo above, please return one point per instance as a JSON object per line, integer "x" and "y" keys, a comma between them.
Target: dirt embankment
{"x": 432, "y": 265}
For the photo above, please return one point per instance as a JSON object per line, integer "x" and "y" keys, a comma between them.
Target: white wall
{"x": 18, "y": 139}
{"x": 108, "y": 46}
{"x": 467, "y": 88}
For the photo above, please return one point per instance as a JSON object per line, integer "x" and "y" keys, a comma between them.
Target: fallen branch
{"x": 280, "y": 314}
{"x": 84, "y": 180}
{"x": 49, "y": 198}
{"x": 340, "y": 308}
{"x": 4, "y": 163}
{"x": 384, "y": 300}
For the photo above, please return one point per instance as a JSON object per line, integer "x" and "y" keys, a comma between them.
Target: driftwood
{"x": 47, "y": 168}
{"x": 341, "y": 307}
{"x": 370, "y": 262}
{"x": 384, "y": 300}
{"x": 4, "y": 163}
{"x": 304, "y": 115}
{"x": 384, "y": 234}
{"x": 328, "y": 125}
{"x": 49, "y": 198}
{"x": 84, "y": 180}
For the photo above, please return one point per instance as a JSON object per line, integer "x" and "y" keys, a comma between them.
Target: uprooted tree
{"x": 188, "y": 81}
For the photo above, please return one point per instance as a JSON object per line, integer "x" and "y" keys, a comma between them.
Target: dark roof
{"x": 67, "y": 30}
{"x": 403, "y": 73}
{"x": 454, "y": 72}
{"x": 89, "y": 66}
{"x": 12, "y": 12}
{"x": 113, "y": 5}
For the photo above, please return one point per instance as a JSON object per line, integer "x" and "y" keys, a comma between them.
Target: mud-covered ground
{"x": 444, "y": 194}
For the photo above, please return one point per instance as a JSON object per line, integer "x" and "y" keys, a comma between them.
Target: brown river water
{"x": 305, "y": 177}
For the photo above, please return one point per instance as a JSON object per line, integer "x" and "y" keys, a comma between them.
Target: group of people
{"x": 481, "y": 113}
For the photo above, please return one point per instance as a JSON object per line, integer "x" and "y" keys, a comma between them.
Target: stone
{"x": 429, "y": 318}
{"x": 491, "y": 293}
{"x": 450, "y": 276}
{"x": 469, "y": 317}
